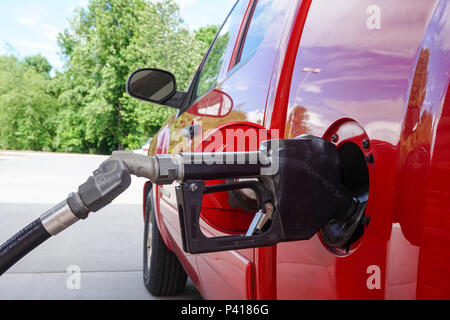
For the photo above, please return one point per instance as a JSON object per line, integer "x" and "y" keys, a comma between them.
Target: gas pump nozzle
{"x": 298, "y": 188}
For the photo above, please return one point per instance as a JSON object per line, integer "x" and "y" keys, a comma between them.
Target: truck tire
{"x": 163, "y": 273}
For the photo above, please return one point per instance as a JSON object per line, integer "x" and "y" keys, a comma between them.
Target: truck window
{"x": 265, "y": 13}
{"x": 213, "y": 63}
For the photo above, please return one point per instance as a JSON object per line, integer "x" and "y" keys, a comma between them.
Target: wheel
{"x": 163, "y": 273}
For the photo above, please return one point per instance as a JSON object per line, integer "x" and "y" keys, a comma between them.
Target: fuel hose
{"x": 107, "y": 182}
{"x": 296, "y": 161}
{"x": 21, "y": 244}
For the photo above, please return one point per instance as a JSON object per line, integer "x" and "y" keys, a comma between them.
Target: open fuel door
{"x": 298, "y": 188}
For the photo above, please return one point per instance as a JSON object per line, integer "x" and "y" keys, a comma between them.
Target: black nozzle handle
{"x": 213, "y": 166}
{"x": 166, "y": 169}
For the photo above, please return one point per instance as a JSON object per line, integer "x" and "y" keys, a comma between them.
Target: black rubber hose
{"x": 21, "y": 244}
{"x": 108, "y": 181}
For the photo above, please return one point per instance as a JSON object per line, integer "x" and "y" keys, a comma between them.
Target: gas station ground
{"x": 106, "y": 248}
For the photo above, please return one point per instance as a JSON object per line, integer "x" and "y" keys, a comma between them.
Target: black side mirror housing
{"x": 156, "y": 86}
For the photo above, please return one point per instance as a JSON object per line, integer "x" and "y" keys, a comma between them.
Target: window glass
{"x": 213, "y": 63}
{"x": 266, "y": 13}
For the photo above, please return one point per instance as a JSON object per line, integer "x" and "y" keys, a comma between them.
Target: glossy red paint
{"x": 324, "y": 71}
{"x": 384, "y": 85}
{"x": 283, "y": 87}
{"x": 217, "y": 212}
{"x": 266, "y": 283}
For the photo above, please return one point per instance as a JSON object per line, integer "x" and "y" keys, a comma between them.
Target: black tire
{"x": 163, "y": 273}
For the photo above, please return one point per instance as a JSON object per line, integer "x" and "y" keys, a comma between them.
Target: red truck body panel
{"x": 326, "y": 69}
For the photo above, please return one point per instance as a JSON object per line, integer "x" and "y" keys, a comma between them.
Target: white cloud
{"x": 312, "y": 89}
{"x": 316, "y": 119}
{"x": 81, "y": 4}
{"x": 186, "y": 3}
{"x": 402, "y": 24}
{"x": 31, "y": 45}
{"x": 29, "y": 22}
{"x": 255, "y": 116}
{"x": 49, "y": 32}
{"x": 444, "y": 35}
{"x": 373, "y": 109}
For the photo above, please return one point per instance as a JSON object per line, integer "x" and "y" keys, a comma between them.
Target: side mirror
{"x": 154, "y": 85}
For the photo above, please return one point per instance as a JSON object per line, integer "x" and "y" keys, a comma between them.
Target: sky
{"x": 28, "y": 27}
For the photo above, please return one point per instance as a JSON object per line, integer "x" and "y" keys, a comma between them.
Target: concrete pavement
{"x": 107, "y": 248}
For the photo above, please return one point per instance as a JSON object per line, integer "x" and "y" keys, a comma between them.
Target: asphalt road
{"x": 106, "y": 248}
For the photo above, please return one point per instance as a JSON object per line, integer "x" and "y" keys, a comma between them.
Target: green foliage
{"x": 39, "y": 63}
{"x": 213, "y": 63}
{"x": 27, "y": 107}
{"x": 206, "y": 36}
{"x": 85, "y": 108}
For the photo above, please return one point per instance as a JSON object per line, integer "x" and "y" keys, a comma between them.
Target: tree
{"x": 206, "y": 36}
{"x": 39, "y": 63}
{"x": 27, "y": 107}
{"x": 105, "y": 43}
{"x": 85, "y": 108}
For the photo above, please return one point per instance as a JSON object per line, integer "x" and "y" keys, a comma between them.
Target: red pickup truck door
{"x": 377, "y": 72}
{"x": 245, "y": 81}
{"x": 365, "y": 65}
{"x": 232, "y": 94}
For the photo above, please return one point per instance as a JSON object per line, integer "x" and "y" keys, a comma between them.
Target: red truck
{"x": 371, "y": 77}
